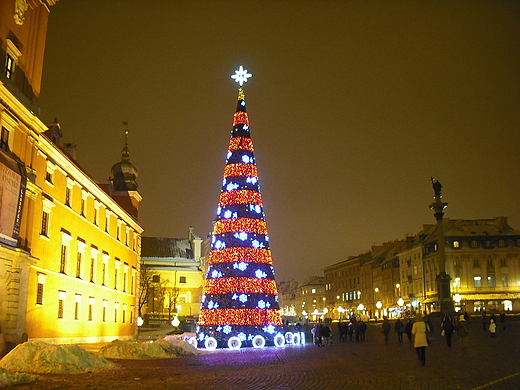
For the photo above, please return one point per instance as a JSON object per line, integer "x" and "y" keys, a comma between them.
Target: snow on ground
{"x": 40, "y": 357}
{"x": 168, "y": 347}
{"x": 8, "y": 378}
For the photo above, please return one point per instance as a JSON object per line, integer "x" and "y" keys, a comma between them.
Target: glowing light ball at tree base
{"x": 240, "y": 298}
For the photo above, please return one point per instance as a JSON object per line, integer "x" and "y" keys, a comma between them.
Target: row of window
{"x": 491, "y": 282}
{"x": 95, "y": 270}
{"x": 122, "y": 232}
{"x": 123, "y": 313}
{"x": 456, "y": 244}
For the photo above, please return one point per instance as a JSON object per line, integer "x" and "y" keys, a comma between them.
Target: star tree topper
{"x": 241, "y": 75}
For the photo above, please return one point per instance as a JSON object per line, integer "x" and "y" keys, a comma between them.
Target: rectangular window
{"x": 45, "y": 224}
{"x": 491, "y": 281}
{"x": 124, "y": 314}
{"x": 60, "y": 307}
{"x": 116, "y": 307}
{"x": 103, "y": 274}
{"x": 96, "y": 211}
{"x": 104, "y": 315}
{"x": 115, "y": 278}
{"x": 125, "y": 276}
{"x": 476, "y": 263}
{"x": 4, "y": 140}
{"x": 503, "y": 262}
{"x": 82, "y": 210}
{"x": 90, "y": 308}
{"x": 76, "y": 310}
{"x": 92, "y": 266}
{"x": 68, "y": 191}
{"x": 63, "y": 259}
{"x": 48, "y": 177}
{"x": 182, "y": 279}
{"x": 78, "y": 265}
{"x": 39, "y": 294}
{"x": 478, "y": 281}
{"x": 456, "y": 244}
{"x": 505, "y": 283}
{"x": 9, "y": 67}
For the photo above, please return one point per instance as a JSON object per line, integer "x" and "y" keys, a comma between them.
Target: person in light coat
{"x": 420, "y": 342}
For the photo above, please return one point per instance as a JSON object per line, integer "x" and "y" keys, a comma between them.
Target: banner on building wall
{"x": 12, "y": 193}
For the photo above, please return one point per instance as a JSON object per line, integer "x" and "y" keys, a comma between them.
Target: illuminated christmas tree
{"x": 240, "y": 298}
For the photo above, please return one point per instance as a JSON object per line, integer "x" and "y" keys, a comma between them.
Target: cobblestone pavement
{"x": 483, "y": 363}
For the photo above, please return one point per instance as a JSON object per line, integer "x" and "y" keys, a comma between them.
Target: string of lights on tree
{"x": 240, "y": 298}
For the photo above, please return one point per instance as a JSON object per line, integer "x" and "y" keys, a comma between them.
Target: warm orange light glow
{"x": 236, "y": 254}
{"x": 240, "y": 197}
{"x": 240, "y": 317}
{"x": 241, "y": 143}
{"x": 240, "y": 169}
{"x": 248, "y": 225}
{"x": 240, "y": 285}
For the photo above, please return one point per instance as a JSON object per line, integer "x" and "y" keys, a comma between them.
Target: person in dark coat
{"x": 361, "y": 328}
{"x": 408, "y": 330}
{"x": 447, "y": 326}
{"x": 503, "y": 320}
{"x": 386, "y": 328}
{"x": 399, "y": 329}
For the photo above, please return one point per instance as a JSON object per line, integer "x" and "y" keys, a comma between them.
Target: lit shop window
{"x": 478, "y": 281}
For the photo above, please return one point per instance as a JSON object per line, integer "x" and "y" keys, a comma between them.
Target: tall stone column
{"x": 445, "y": 301}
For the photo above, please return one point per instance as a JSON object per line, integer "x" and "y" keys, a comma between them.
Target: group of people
{"x": 422, "y": 331}
{"x": 321, "y": 334}
{"x": 352, "y": 329}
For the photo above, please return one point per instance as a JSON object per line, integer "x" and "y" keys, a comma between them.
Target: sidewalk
{"x": 483, "y": 363}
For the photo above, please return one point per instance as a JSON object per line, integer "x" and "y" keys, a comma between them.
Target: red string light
{"x": 241, "y": 143}
{"x": 240, "y": 118}
{"x": 240, "y": 169}
{"x": 237, "y": 254}
{"x": 240, "y": 317}
{"x": 240, "y": 285}
{"x": 240, "y": 197}
{"x": 248, "y": 225}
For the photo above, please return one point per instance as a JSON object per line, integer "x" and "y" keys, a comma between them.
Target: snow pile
{"x": 40, "y": 357}
{"x": 162, "y": 348}
{"x": 8, "y": 378}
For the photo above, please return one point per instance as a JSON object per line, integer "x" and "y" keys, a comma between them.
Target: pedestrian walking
{"x": 315, "y": 335}
{"x": 351, "y": 327}
{"x": 408, "y": 330}
{"x": 484, "y": 320}
{"x": 503, "y": 320}
{"x": 420, "y": 332}
{"x": 326, "y": 335}
{"x": 399, "y": 329}
{"x": 361, "y": 328}
{"x": 447, "y": 326}
{"x": 492, "y": 327}
{"x": 462, "y": 329}
{"x": 386, "y": 328}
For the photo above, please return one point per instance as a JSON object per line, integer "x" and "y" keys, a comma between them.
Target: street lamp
{"x": 379, "y": 305}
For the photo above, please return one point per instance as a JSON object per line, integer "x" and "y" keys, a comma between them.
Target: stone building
{"x": 176, "y": 270}
{"x": 69, "y": 250}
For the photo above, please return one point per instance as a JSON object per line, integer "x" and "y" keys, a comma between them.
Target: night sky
{"x": 352, "y": 108}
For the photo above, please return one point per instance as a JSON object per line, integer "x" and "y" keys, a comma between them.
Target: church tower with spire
{"x": 123, "y": 182}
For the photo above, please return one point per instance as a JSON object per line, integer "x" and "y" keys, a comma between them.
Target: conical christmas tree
{"x": 240, "y": 298}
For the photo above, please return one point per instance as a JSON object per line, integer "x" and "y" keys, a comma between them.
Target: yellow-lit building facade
{"x": 176, "y": 270}
{"x": 69, "y": 247}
